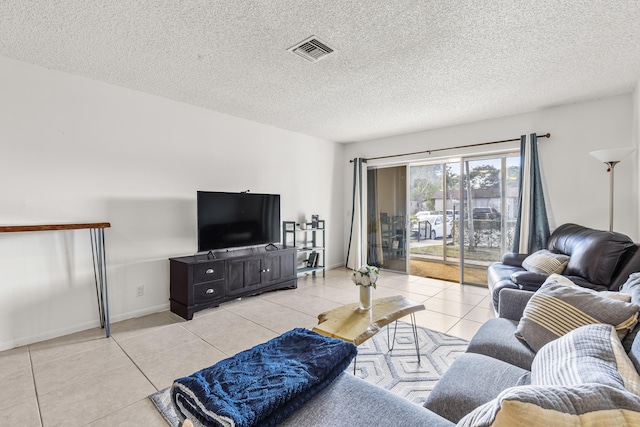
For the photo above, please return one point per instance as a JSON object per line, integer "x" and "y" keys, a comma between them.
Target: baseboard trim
{"x": 8, "y": 345}
{"x": 139, "y": 313}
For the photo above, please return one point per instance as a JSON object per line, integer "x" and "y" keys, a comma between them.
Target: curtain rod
{"x": 546, "y": 135}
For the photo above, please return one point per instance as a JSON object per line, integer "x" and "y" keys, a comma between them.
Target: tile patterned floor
{"x": 85, "y": 379}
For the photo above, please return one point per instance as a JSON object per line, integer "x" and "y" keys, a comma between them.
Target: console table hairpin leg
{"x": 98, "y": 252}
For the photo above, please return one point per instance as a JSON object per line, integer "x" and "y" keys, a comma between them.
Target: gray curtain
{"x": 532, "y": 225}
{"x": 374, "y": 243}
{"x": 356, "y": 256}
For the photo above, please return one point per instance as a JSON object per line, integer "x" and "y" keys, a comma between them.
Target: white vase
{"x": 365, "y": 297}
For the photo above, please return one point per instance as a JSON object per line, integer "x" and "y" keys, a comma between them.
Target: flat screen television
{"x": 231, "y": 220}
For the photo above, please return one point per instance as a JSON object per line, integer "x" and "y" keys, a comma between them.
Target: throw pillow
{"x": 632, "y": 289}
{"x": 589, "y": 354}
{"x": 547, "y": 262}
{"x": 583, "y": 405}
{"x": 556, "y": 309}
{"x": 615, "y": 295}
{"x": 563, "y": 280}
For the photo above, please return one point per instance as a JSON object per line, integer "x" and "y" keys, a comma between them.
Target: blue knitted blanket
{"x": 262, "y": 385}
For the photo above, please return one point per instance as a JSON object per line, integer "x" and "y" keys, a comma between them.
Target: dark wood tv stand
{"x": 200, "y": 281}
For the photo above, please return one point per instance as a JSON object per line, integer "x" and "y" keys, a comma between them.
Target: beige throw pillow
{"x": 556, "y": 309}
{"x": 547, "y": 262}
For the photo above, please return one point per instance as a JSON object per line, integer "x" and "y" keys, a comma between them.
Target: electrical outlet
{"x": 140, "y": 291}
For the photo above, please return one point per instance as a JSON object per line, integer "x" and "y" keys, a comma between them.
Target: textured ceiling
{"x": 399, "y": 66}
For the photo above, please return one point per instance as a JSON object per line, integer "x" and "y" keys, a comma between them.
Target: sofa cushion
{"x": 556, "y": 309}
{"x": 628, "y": 265}
{"x": 496, "y": 338}
{"x": 583, "y": 405}
{"x": 589, "y": 354}
{"x": 352, "y": 401}
{"x": 471, "y": 381}
{"x": 545, "y": 261}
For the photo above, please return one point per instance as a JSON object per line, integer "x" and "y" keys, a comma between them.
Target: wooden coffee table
{"x": 350, "y": 323}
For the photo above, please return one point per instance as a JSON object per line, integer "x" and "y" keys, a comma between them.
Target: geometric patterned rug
{"x": 397, "y": 370}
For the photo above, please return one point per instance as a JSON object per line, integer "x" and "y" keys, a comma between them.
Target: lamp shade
{"x": 612, "y": 154}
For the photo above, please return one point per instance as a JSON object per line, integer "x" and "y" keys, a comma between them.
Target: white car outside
{"x": 436, "y": 226}
{"x": 422, "y": 215}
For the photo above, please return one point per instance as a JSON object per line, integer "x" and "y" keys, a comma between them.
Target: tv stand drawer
{"x": 208, "y": 271}
{"x": 205, "y": 292}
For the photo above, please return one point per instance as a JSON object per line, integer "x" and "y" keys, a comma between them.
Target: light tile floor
{"x": 85, "y": 379}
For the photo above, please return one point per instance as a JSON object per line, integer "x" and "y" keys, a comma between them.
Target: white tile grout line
{"x": 35, "y": 386}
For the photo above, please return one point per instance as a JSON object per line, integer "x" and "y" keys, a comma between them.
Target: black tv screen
{"x": 229, "y": 220}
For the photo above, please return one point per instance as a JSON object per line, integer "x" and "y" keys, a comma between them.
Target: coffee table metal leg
{"x": 415, "y": 335}
{"x": 392, "y": 343}
{"x": 414, "y": 330}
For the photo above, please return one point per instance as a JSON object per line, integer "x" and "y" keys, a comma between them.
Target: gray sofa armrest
{"x": 472, "y": 380}
{"x": 513, "y": 259}
{"x": 512, "y": 303}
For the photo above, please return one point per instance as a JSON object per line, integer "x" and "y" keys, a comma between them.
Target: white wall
{"x": 636, "y": 140}
{"x": 576, "y": 184}
{"x": 76, "y": 150}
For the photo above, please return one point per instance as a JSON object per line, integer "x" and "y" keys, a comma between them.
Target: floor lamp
{"x": 611, "y": 157}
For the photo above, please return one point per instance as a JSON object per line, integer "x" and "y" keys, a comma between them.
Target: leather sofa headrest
{"x": 594, "y": 254}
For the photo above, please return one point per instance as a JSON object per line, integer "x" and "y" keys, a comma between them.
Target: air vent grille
{"x": 312, "y": 49}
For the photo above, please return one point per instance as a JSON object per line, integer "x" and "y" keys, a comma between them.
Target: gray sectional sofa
{"x": 493, "y": 379}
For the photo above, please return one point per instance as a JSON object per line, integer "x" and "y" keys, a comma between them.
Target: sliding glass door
{"x": 431, "y": 221}
{"x": 462, "y": 215}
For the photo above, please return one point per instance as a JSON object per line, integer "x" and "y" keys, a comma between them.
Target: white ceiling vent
{"x": 311, "y": 49}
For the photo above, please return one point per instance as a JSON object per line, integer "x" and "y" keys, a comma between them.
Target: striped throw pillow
{"x": 547, "y": 262}
{"x": 556, "y": 309}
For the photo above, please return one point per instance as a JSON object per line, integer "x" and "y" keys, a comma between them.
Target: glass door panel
{"x": 489, "y": 194}
{"x": 430, "y": 222}
{"x": 387, "y": 218}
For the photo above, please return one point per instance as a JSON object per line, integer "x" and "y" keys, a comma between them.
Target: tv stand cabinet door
{"x": 281, "y": 266}
{"x": 243, "y": 274}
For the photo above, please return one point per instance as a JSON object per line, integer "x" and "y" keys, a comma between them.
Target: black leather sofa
{"x": 600, "y": 260}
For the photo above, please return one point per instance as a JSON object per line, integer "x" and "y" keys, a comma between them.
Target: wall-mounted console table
{"x": 98, "y": 251}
